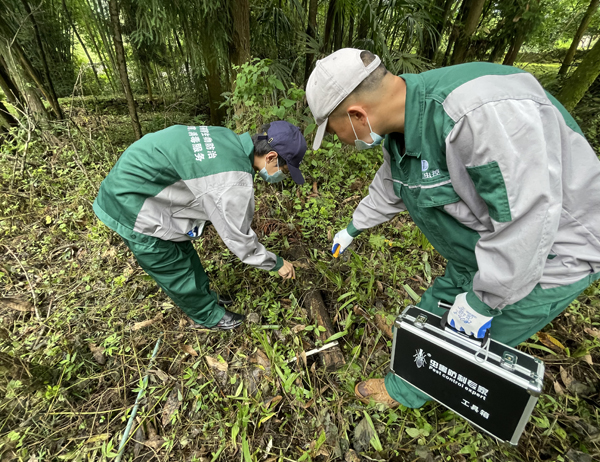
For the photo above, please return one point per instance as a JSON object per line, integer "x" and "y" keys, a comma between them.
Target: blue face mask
{"x": 362, "y": 145}
{"x": 277, "y": 177}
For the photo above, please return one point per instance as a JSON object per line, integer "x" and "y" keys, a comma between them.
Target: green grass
{"x": 60, "y": 401}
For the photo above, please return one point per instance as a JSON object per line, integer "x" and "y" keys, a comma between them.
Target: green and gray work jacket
{"x": 499, "y": 178}
{"x": 169, "y": 184}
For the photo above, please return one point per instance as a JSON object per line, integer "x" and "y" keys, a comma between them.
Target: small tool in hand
{"x": 336, "y": 250}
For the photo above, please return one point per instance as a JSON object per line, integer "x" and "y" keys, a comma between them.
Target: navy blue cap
{"x": 287, "y": 140}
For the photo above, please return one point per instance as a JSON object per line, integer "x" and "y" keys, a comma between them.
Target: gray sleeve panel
{"x": 576, "y": 247}
{"x": 525, "y": 135}
{"x": 226, "y": 199}
{"x": 170, "y": 214}
{"x": 382, "y": 203}
{"x": 231, "y": 209}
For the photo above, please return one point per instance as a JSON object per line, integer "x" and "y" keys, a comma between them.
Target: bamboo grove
{"x": 128, "y": 47}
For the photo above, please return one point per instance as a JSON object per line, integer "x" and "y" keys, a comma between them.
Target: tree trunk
{"x": 197, "y": 76}
{"x": 577, "y": 38}
{"x": 311, "y": 31}
{"x": 7, "y": 117}
{"x": 172, "y": 84}
{"x": 72, "y": 24}
{"x": 10, "y": 89}
{"x": 513, "y": 51}
{"x": 213, "y": 82}
{"x": 146, "y": 79}
{"x": 350, "y": 32}
{"x": 120, "y": 52}
{"x": 103, "y": 60}
{"x": 451, "y": 42}
{"x": 497, "y": 51}
{"x": 470, "y": 26}
{"x": 175, "y": 83}
{"x": 53, "y": 99}
{"x": 31, "y": 72}
{"x": 455, "y": 31}
{"x": 160, "y": 83}
{"x": 20, "y": 82}
{"x": 99, "y": 13}
{"x": 432, "y": 41}
{"x": 32, "y": 105}
{"x": 329, "y": 25}
{"x": 579, "y": 82}
{"x": 36, "y": 106}
{"x": 338, "y": 32}
{"x": 239, "y": 48}
{"x": 363, "y": 26}
{"x": 184, "y": 57}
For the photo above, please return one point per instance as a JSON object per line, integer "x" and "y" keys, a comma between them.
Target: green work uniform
{"x": 162, "y": 192}
{"x": 500, "y": 179}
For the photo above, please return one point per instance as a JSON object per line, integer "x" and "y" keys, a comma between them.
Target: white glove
{"x": 465, "y": 319}
{"x": 340, "y": 242}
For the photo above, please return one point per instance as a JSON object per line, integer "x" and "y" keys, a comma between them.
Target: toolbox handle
{"x": 444, "y": 304}
{"x": 484, "y": 342}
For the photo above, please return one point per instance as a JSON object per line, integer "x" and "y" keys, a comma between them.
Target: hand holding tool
{"x": 341, "y": 241}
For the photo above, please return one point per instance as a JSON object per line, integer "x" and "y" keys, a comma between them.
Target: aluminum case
{"x": 496, "y": 394}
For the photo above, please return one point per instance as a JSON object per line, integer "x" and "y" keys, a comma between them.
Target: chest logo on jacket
{"x": 426, "y": 174}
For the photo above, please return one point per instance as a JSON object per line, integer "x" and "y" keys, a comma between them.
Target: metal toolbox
{"x": 496, "y": 390}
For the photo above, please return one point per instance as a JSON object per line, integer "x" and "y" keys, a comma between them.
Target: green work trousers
{"x": 176, "y": 268}
{"x": 515, "y": 324}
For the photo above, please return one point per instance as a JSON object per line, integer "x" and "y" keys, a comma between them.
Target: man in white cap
{"x": 491, "y": 168}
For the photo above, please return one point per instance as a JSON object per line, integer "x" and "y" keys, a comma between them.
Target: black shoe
{"x": 229, "y": 321}
{"x": 224, "y": 301}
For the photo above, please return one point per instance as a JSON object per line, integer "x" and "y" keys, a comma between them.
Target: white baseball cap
{"x": 332, "y": 80}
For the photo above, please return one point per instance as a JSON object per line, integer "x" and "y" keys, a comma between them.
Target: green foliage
{"x": 259, "y": 97}
{"x": 561, "y": 19}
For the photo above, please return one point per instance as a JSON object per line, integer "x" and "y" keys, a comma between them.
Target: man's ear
{"x": 357, "y": 114}
{"x": 271, "y": 156}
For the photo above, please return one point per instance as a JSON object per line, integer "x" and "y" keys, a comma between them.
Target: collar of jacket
{"x": 247, "y": 145}
{"x": 413, "y": 113}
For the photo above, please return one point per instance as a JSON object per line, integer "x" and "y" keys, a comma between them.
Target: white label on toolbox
{"x": 475, "y": 408}
{"x": 450, "y": 375}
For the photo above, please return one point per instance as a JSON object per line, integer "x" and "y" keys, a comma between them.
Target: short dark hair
{"x": 373, "y": 81}
{"x": 262, "y": 147}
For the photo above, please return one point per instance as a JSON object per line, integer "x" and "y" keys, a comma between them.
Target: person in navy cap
{"x": 167, "y": 186}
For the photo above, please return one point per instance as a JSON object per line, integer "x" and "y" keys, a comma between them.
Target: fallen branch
{"x": 333, "y": 357}
{"x": 349, "y": 199}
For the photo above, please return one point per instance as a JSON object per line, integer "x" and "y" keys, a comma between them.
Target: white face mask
{"x": 362, "y": 145}
{"x": 276, "y": 177}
